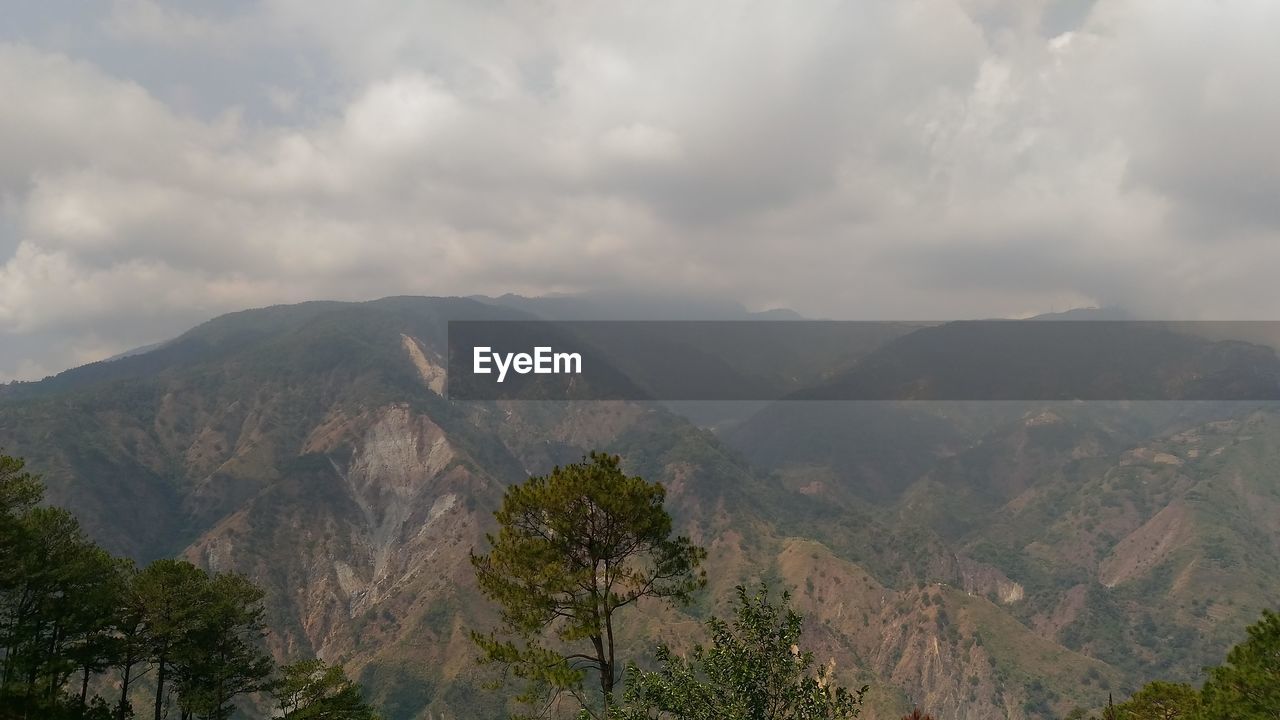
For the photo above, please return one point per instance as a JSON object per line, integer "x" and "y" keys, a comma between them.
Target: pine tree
{"x": 170, "y": 593}
{"x": 309, "y": 689}
{"x": 130, "y": 646}
{"x": 1161, "y": 701}
{"x": 58, "y": 609}
{"x": 69, "y": 611}
{"x": 574, "y": 549}
{"x": 1247, "y": 686}
{"x": 20, "y": 492}
{"x": 223, "y": 657}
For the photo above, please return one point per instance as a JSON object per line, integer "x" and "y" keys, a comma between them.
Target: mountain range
{"x": 978, "y": 559}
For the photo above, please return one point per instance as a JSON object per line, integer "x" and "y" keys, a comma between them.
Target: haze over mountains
{"x": 998, "y": 559}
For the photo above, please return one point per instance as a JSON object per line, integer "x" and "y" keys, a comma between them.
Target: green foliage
{"x": 58, "y": 592}
{"x": 70, "y": 613}
{"x": 1247, "y": 686}
{"x": 573, "y": 549}
{"x": 311, "y": 690}
{"x": 753, "y": 670}
{"x": 1161, "y": 701}
{"x": 19, "y": 490}
{"x": 56, "y": 609}
{"x": 201, "y": 633}
{"x": 224, "y": 657}
{"x": 165, "y": 591}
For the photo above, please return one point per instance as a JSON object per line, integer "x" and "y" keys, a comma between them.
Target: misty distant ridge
{"x": 633, "y": 306}
{"x": 1089, "y": 313}
{"x": 595, "y": 306}
{"x": 636, "y": 306}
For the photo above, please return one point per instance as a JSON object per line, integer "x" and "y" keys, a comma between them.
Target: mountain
{"x": 1086, "y": 313}
{"x": 1000, "y": 360}
{"x": 982, "y": 560}
{"x": 633, "y": 306}
{"x": 1142, "y": 535}
{"x": 311, "y": 447}
{"x": 723, "y": 355}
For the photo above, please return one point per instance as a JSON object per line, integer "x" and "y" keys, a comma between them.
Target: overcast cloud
{"x": 161, "y": 164}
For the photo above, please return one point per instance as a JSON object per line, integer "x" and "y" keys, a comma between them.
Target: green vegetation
{"x": 309, "y": 689}
{"x": 72, "y": 618}
{"x": 1245, "y": 687}
{"x": 574, "y": 548}
{"x": 578, "y": 545}
{"x": 753, "y": 670}
{"x": 201, "y": 634}
{"x": 1161, "y": 701}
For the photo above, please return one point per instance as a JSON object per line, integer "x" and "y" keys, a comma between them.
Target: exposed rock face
{"x": 958, "y": 655}
{"x": 984, "y": 580}
{"x": 398, "y": 464}
{"x": 433, "y": 374}
{"x": 379, "y": 524}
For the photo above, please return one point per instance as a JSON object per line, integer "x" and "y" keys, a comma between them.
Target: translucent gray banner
{"x": 838, "y": 360}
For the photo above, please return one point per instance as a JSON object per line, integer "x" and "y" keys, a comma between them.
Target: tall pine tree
{"x": 574, "y": 549}
{"x": 1247, "y": 686}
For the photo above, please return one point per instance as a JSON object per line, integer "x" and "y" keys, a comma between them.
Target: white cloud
{"x": 642, "y": 144}
{"x": 152, "y": 21}
{"x": 926, "y": 158}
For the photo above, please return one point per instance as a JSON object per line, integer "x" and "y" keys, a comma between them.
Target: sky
{"x": 163, "y": 163}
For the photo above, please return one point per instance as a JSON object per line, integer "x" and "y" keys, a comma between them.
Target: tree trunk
{"x": 84, "y": 687}
{"x": 55, "y": 640}
{"x": 608, "y": 692}
{"x": 124, "y": 690}
{"x": 160, "y": 688}
{"x": 606, "y": 671}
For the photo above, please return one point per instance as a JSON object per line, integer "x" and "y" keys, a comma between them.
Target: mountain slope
{"x": 312, "y": 447}
{"x": 1140, "y": 534}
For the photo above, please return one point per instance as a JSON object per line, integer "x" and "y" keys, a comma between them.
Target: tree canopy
{"x": 573, "y": 549}
{"x": 312, "y": 690}
{"x": 754, "y": 669}
{"x": 70, "y": 614}
{"x": 1161, "y": 701}
{"x": 1247, "y": 685}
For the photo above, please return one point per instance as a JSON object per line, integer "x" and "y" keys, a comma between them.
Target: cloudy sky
{"x": 161, "y": 163}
